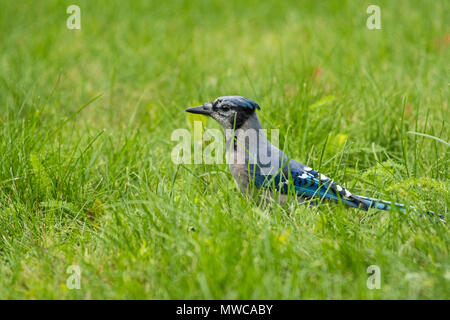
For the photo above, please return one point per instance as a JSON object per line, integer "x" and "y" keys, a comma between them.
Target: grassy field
{"x": 86, "y": 176}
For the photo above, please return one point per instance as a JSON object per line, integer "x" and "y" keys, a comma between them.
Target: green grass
{"x": 98, "y": 188}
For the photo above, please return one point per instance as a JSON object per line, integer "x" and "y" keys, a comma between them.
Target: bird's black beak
{"x": 199, "y": 110}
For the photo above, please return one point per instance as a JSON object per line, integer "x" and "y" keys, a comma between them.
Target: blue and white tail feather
{"x": 309, "y": 183}
{"x": 387, "y": 206}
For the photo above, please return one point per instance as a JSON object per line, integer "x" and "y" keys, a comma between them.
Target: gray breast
{"x": 240, "y": 176}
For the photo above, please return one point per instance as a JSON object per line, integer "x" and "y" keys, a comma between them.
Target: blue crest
{"x": 239, "y": 101}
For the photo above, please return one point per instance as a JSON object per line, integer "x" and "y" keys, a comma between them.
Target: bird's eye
{"x": 225, "y": 109}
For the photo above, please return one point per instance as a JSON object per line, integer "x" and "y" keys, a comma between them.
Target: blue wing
{"x": 309, "y": 183}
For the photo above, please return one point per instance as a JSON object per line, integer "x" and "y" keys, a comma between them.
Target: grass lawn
{"x": 87, "y": 179}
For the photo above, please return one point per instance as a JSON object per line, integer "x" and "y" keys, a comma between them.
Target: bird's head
{"x": 231, "y": 112}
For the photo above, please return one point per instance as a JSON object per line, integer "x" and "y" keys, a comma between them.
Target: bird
{"x": 262, "y": 170}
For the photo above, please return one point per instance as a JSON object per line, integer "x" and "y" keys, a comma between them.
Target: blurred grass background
{"x": 98, "y": 188}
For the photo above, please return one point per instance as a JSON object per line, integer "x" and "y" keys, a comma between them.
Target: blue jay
{"x": 247, "y": 147}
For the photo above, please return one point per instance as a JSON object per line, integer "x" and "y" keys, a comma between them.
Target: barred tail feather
{"x": 366, "y": 203}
